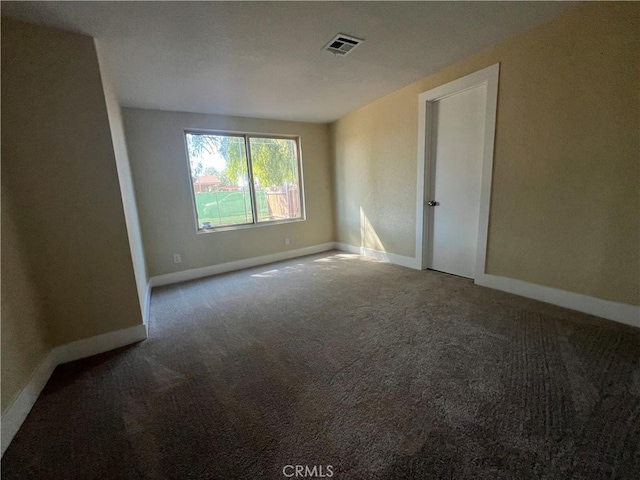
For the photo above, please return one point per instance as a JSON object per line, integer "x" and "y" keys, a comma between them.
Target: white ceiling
{"x": 265, "y": 59}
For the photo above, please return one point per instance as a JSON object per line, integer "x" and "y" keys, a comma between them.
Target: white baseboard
{"x": 195, "y": 273}
{"x": 17, "y": 412}
{"x": 99, "y": 344}
{"x": 401, "y": 260}
{"x": 619, "y": 312}
{"x": 147, "y": 306}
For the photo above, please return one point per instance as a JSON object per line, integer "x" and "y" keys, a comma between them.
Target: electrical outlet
{"x": 286, "y": 241}
{"x": 177, "y": 258}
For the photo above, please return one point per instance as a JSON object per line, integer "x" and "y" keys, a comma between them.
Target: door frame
{"x": 487, "y": 77}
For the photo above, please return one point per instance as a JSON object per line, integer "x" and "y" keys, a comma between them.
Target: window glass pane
{"x": 275, "y": 175}
{"x": 220, "y": 179}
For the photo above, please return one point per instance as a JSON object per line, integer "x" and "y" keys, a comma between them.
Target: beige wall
{"x": 162, "y": 183}
{"x": 58, "y": 165}
{"x": 126, "y": 190}
{"x": 24, "y": 333}
{"x": 565, "y": 198}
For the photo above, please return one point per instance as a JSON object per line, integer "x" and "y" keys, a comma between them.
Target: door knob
{"x": 433, "y": 203}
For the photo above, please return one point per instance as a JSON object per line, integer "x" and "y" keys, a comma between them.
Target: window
{"x": 244, "y": 179}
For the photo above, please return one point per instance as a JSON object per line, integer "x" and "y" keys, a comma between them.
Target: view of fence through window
{"x": 221, "y": 169}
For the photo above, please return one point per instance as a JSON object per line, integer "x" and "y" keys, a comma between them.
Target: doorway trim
{"x": 488, "y": 77}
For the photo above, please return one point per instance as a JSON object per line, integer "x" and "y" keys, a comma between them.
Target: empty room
{"x": 351, "y": 240}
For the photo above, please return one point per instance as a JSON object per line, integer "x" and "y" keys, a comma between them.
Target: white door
{"x": 457, "y": 142}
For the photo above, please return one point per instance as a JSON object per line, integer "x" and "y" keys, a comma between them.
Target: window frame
{"x": 246, "y": 136}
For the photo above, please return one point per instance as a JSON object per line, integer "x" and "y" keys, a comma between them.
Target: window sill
{"x": 245, "y": 226}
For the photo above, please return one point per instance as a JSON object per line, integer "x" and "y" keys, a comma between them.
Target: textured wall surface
{"x": 126, "y": 189}
{"x": 565, "y": 206}
{"x": 163, "y": 190}
{"x": 59, "y": 167}
{"x": 24, "y": 334}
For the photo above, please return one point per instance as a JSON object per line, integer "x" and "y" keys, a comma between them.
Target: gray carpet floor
{"x": 379, "y": 371}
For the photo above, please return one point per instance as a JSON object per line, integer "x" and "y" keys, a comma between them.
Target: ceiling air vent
{"x": 342, "y": 44}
